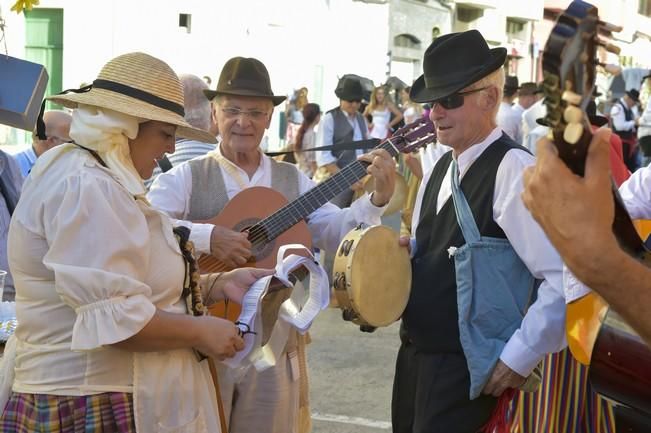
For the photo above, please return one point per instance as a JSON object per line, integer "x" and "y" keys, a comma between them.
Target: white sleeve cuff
{"x": 519, "y": 357}
{"x": 110, "y": 321}
{"x": 365, "y": 211}
{"x": 200, "y": 236}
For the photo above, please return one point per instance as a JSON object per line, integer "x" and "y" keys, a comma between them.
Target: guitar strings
{"x": 266, "y": 228}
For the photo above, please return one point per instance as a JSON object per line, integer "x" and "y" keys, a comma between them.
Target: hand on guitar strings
{"x": 230, "y": 247}
{"x": 575, "y": 212}
{"x": 501, "y": 379}
{"x": 383, "y": 169}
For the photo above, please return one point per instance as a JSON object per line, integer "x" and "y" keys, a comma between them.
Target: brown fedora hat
{"x": 242, "y": 76}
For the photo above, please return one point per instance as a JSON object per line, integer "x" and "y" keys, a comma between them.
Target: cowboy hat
{"x": 349, "y": 89}
{"x": 242, "y": 76}
{"x": 138, "y": 85}
{"x": 454, "y": 61}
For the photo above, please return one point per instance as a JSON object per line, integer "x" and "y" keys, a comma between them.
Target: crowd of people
{"x": 114, "y": 334}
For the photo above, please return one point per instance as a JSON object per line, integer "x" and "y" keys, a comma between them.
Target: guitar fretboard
{"x": 289, "y": 215}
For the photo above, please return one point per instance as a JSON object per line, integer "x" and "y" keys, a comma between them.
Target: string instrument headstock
{"x": 569, "y": 69}
{"x": 411, "y": 137}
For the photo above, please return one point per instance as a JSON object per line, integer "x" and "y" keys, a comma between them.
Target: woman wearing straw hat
{"x": 109, "y": 307}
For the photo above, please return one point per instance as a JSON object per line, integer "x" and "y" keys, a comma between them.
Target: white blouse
{"x": 91, "y": 266}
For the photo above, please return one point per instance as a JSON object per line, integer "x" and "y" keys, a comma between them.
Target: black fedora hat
{"x": 454, "y": 61}
{"x": 243, "y": 76}
{"x": 349, "y": 89}
{"x": 633, "y": 94}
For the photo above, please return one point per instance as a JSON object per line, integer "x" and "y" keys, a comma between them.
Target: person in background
{"x": 57, "y": 129}
{"x": 341, "y": 125}
{"x": 383, "y": 114}
{"x": 411, "y": 111}
{"x": 113, "y": 334}
{"x": 507, "y": 118}
{"x": 11, "y": 182}
{"x": 199, "y": 114}
{"x": 625, "y": 118}
{"x": 306, "y": 138}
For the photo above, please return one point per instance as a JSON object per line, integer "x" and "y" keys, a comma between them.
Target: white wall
{"x": 302, "y": 42}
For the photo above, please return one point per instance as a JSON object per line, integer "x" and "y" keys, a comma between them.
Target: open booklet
{"x": 269, "y": 311}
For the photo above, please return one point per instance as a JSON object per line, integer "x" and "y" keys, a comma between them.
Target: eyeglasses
{"x": 233, "y": 112}
{"x": 455, "y": 100}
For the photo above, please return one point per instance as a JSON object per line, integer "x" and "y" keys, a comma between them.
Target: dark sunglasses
{"x": 354, "y": 101}
{"x": 455, "y": 100}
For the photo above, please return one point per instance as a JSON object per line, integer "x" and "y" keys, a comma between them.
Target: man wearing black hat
{"x": 626, "y": 117}
{"x": 199, "y": 189}
{"x": 486, "y": 301}
{"x": 343, "y": 124}
{"x": 508, "y": 117}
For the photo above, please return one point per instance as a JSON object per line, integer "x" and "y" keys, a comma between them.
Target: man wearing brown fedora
{"x": 198, "y": 190}
{"x": 486, "y": 301}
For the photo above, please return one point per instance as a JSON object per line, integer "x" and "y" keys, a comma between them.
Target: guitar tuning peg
{"x": 608, "y": 46}
{"x": 610, "y": 27}
{"x": 573, "y": 133}
{"x": 573, "y": 114}
{"x": 571, "y": 97}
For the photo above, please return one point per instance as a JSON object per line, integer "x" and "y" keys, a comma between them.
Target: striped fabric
{"x": 565, "y": 402}
{"x": 101, "y": 413}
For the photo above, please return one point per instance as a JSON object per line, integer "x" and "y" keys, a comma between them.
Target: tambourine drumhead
{"x": 398, "y": 198}
{"x": 378, "y": 275}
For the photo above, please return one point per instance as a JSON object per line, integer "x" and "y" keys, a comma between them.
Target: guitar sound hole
{"x": 261, "y": 246}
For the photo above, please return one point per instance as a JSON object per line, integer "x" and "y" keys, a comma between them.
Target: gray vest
{"x": 209, "y": 194}
{"x": 343, "y": 133}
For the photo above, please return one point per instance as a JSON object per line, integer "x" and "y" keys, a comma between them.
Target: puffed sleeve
{"x": 99, "y": 253}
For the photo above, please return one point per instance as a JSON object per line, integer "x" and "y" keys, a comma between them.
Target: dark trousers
{"x": 430, "y": 394}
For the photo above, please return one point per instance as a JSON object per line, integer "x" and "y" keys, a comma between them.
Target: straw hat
{"x": 139, "y": 85}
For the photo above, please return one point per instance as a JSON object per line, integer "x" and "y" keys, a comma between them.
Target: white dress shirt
{"x": 636, "y": 195}
{"x": 325, "y": 136}
{"x": 618, "y": 117}
{"x": 543, "y": 328}
{"x": 510, "y": 121}
{"x": 171, "y": 193}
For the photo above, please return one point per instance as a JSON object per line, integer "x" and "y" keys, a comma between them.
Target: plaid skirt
{"x": 110, "y": 412}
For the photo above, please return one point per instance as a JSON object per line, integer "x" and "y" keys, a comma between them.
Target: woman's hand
{"x": 218, "y": 338}
{"x": 234, "y": 284}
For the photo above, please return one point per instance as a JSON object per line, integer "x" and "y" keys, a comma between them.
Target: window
{"x": 406, "y": 41}
{"x": 185, "y": 21}
{"x": 468, "y": 14}
{"x": 644, "y": 8}
{"x": 513, "y": 27}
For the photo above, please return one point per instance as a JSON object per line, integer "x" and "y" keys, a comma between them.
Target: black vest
{"x": 343, "y": 133}
{"x": 628, "y": 114}
{"x": 430, "y": 320}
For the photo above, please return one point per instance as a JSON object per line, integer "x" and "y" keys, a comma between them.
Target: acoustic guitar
{"x": 618, "y": 358}
{"x": 272, "y": 222}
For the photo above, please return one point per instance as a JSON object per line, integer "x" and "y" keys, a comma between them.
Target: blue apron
{"x": 494, "y": 290}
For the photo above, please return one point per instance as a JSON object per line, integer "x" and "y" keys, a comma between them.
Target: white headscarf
{"x": 107, "y": 132}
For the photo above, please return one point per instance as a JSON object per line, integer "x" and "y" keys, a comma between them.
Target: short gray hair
{"x": 197, "y": 106}
{"x": 496, "y": 79}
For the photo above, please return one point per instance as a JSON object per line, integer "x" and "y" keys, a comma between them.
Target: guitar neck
{"x": 290, "y": 214}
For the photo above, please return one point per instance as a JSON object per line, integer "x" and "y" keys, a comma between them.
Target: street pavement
{"x": 351, "y": 374}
